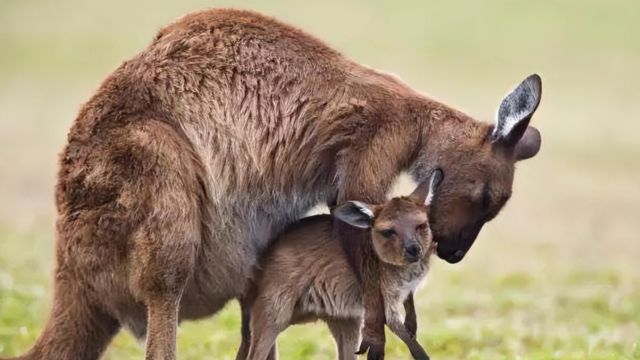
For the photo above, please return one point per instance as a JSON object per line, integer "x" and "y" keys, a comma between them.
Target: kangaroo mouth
{"x": 453, "y": 249}
{"x": 451, "y": 257}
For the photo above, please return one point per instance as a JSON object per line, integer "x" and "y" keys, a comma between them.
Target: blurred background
{"x": 556, "y": 275}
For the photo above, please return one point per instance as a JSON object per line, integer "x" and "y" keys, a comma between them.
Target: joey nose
{"x": 412, "y": 252}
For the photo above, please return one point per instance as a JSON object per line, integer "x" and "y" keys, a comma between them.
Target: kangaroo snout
{"x": 455, "y": 257}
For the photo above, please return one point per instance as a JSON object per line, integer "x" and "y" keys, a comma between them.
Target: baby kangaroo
{"x": 305, "y": 276}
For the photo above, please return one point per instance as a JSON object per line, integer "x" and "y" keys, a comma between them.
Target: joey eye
{"x": 387, "y": 233}
{"x": 421, "y": 227}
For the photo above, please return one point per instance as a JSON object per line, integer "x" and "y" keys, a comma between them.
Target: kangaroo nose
{"x": 412, "y": 252}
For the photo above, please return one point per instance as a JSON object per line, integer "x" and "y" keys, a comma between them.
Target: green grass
{"x": 461, "y": 317}
{"x": 555, "y": 276}
{"x": 466, "y": 312}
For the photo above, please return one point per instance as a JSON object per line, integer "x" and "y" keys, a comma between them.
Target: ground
{"x": 554, "y": 276}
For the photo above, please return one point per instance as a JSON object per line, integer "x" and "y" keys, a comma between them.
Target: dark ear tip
{"x": 536, "y": 82}
{"x": 535, "y": 77}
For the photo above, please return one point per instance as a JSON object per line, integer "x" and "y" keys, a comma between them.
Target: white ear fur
{"x": 364, "y": 208}
{"x": 517, "y": 107}
{"x": 434, "y": 182}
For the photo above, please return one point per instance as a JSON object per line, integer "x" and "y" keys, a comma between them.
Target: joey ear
{"x": 516, "y": 110}
{"x": 434, "y": 182}
{"x": 425, "y": 191}
{"x": 355, "y": 213}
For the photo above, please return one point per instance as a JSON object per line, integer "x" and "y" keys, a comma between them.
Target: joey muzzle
{"x": 412, "y": 252}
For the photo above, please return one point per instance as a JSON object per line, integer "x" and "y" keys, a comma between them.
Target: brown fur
{"x": 306, "y": 276}
{"x": 198, "y": 151}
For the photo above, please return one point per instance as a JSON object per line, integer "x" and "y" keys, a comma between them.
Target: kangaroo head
{"x": 479, "y": 163}
{"x": 400, "y": 229}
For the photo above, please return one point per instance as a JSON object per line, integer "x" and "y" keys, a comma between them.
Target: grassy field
{"x": 555, "y": 276}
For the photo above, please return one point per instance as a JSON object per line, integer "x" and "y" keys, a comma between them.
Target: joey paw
{"x": 373, "y": 351}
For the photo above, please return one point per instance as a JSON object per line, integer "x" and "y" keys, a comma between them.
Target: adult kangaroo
{"x": 198, "y": 151}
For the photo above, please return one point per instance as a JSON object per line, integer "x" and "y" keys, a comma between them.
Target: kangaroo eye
{"x": 387, "y": 233}
{"x": 421, "y": 227}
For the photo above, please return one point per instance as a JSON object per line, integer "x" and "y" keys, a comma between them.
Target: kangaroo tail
{"x": 76, "y": 329}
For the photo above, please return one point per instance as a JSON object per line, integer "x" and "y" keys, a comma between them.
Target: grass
{"x": 555, "y": 276}
{"x": 465, "y": 313}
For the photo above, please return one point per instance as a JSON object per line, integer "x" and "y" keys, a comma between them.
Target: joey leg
{"x": 410, "y": 318}
{"x": 346, "y": 333}
{"x": 245, "y": 343}
{"x": 395, "y": 324}
{"x": 373, "y": 338}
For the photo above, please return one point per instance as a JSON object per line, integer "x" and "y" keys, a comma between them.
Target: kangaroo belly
{"x": 233, "y": 244}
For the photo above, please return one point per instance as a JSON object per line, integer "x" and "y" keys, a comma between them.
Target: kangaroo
{"x": 306, "y": 275}
{"x": 192, "y": 156}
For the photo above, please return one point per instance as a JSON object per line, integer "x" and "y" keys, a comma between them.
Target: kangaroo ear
{"x": 425, "y": 191}
{"x": 529, "y": 145}
{"x": 434, "y": 182}
{"x": 516, "y": 110}
{"x": 355, "y": 213}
